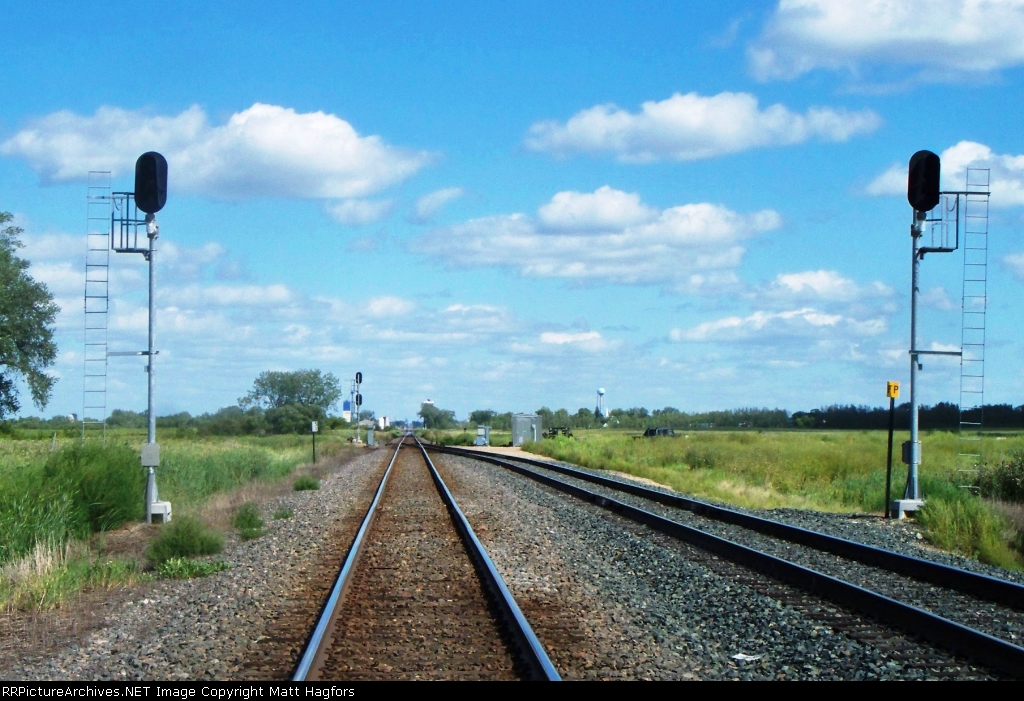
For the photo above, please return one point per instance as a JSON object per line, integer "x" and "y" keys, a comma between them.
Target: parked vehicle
{"x": 558, "y": 430}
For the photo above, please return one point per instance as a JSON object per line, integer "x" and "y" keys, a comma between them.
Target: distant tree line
{"x": 279, "y": 402}
{"x": 943, "y": 415}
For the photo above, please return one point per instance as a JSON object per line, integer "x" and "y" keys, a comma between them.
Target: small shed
{"x": 526, "y": 427}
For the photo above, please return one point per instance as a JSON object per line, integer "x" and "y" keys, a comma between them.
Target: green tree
{"x": 293, "y": 418}
{"x": 27, "y": 314}
{"x": 312, "y": 388}
{"x": 481, "y": 417}
{"x": 437, "y": 418}
{"x": 583, "y": 418}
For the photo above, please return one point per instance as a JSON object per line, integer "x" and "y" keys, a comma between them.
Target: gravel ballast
{"x": 650, "y": 607}
{"x": 902, "y": 536}
{"x": 248, "y": 622}
{"x": 997, "y": 620}
{"x": 609, "y": 599}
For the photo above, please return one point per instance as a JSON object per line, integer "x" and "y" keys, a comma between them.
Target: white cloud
{"x": 430, "y": 204}
{"x": 937, "y": 298}
{"x": 390, "y": 306}
{"x": 360, "y": 212}
{"x": 1015, "y": 263}
{"x": 471, "y": 308}
{"x": 556, "y": 342}
{"x": 693, "y": 127}
{"x": 561, "y": 339}
{"x": 826, "y": 285}
{"x": 231, "y": 295}
{"x": 604, "y": 209}
{"x": 942, "y": 38}
{"x": 264, "y": 151}
{"x": 1006, "y": 173}
{"x": 692, "y": 247}
{"x": 893, "y": 181}
{"x": 803, "y": 322}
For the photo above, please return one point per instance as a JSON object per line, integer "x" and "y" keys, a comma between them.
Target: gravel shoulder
{"x": 997, "y": 620}
{"x": 248, "y": 622}
{"x": 612, "y": 600}
{"x": 902, "y": 536}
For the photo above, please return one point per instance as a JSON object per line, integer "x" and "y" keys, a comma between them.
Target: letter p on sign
{"x": 892, "y": 390}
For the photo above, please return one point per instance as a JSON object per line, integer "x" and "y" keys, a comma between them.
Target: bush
{"x": 700, "y": 457}
{"x": 248, "y": 522}
{"x": 283, "y": 512}
{"x": 183, "y": 568}
{"x": 306, "y": 483}
{"x": 464, "y": 438}
{"x": 184, "y": 537}
{"x": 1005, "y": 481}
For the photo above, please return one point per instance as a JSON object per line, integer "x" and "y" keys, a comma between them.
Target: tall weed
{"x": 961, "y": 522}
{"x": 79, "y": 489}
{"x": 51, "y": 574}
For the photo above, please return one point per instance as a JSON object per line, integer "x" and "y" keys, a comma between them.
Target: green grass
{"x": 182, "y": 538}
{"x": 823, "y": 470}
{"x": 282, "y": 513}
{"x": 248, "y": 522}
{"x": 306, "y": 483}
{"x": 50, "y": 575}
{"x": 76, "y": 491}
{"x": 184, "y": 568}
{"x": 59, "y": 496}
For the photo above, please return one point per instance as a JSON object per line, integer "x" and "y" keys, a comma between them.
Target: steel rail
{"x": 523, "y": 637}
{"x": 985, "y": 649}
{"x": 993, "y": 589}
{"x": 309, "y": 663}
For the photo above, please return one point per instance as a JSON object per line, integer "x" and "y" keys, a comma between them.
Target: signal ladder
{"x": 972, "y": 334}
{"x": 97, "y": 304}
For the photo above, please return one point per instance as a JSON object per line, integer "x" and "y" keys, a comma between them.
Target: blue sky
{"x": 509, "y": 205}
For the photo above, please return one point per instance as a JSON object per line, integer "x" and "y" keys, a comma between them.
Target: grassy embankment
{"x": 52, "y": 501}
{"x": 830, "y": 471}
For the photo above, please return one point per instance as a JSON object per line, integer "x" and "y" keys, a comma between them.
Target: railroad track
{"x": 890, "y": 591}
{"x": 417, "y": 596}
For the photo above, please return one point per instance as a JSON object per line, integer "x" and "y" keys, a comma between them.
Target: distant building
{"x": 383, "y": 422}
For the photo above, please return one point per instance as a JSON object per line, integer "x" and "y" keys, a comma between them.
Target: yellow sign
{"x": 892, "y": 390}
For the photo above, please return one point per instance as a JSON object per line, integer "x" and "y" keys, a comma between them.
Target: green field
{"x": 823, "y": 470}
{"x": 56, "y": 493}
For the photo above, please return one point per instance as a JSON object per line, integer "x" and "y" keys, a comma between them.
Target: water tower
{"x": 600, "y": 410}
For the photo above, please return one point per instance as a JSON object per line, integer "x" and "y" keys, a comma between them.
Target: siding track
{"x": 891, "y": 611}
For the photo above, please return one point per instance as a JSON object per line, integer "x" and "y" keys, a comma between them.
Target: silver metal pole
{"x": 912, "y": 491}
{"x": 152, "y": 495}
{"x": 151, "y": 414}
